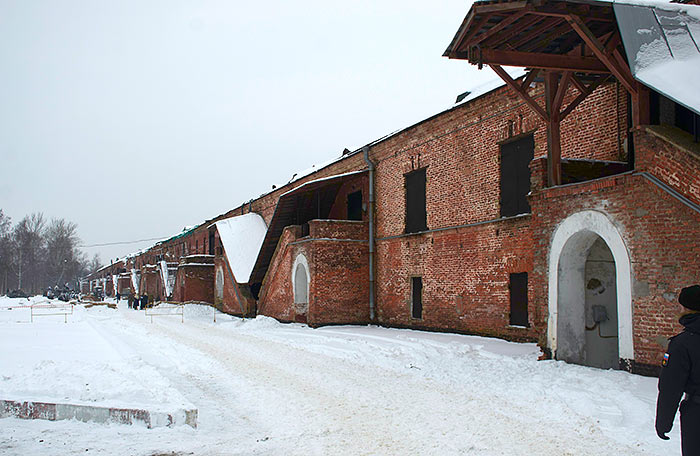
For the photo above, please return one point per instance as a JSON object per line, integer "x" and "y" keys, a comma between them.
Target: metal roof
{"x": 663, "y": 50}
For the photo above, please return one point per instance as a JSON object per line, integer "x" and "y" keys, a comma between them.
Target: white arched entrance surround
{"x": 300, "y": 283}
{"x": 570, "y": 245}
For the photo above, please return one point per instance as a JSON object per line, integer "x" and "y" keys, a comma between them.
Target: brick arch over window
{"x": 580, "y": 225}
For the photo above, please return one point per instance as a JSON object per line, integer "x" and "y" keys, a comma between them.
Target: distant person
{"x": 117, "y": 297}
{"x": 680, "y": 373}
{"x": 144, "y": 301}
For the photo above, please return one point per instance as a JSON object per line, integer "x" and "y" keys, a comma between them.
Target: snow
{"x": 661, "y": 42}
{"x": 665, "y": 5}
{"x": 262, "y": 387}
{"x": 493, "y": 84}
{"x": 164, "y": 271}
{"x": 242, "y": 237}
{"x": 52, "y": 361}
{"x": 335, "y": 176}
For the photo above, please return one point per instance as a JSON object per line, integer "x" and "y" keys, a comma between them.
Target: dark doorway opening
{"x": 416, "y": 298}
{"x": 515, "y": 175}
{"x": 416, "y": 215}
{"x": 212, "y": 246}
{"x": 518, "y": 299}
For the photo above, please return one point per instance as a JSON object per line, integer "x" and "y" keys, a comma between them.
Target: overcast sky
{"x": 136, "y": 118}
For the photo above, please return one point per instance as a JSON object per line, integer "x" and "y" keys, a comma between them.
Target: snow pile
{"x": 242, "y": 237}
{"x": 57, "y": 362}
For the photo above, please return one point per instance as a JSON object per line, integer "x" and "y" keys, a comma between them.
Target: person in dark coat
{"x": 144, "y": 301}
{"x": 680, "y": 373}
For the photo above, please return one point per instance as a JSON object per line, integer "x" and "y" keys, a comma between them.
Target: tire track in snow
{"x": 319, "y": 397}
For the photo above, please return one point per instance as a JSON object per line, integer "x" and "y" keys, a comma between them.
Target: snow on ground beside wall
{"x": 262, "y": 387}
{"x": 52, "y": 361}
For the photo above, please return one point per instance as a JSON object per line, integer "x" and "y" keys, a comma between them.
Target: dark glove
{"x": 662, "y": 435}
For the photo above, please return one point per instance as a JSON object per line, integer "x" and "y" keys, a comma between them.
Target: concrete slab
{"x": 31, "y": 410}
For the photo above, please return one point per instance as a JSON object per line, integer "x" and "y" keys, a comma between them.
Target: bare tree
{"x": 62, "y": 254}
{"x": 6, "y": 256}
{"x": 95, "y": 264}
{"x": 30, "y": 252}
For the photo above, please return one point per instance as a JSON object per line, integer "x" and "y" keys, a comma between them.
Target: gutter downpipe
{"x": 370, "y": 210}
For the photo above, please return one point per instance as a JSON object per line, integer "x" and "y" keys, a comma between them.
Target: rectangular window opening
{"x": 515, "y": 176}
{"x": 355, "y": 206}
{"x": 416, "y": 214}
{"x": 518, "y": 299}
{"x": 417, "y": 298}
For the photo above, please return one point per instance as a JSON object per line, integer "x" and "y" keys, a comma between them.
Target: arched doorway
{"x": 300, "y": 281}
{"x": 590, "y": 302}
{"x": 219, "y": 285}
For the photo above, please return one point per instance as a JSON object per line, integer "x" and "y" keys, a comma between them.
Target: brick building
{"x": 562, "y": 207}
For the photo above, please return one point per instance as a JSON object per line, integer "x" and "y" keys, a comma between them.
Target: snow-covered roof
{"x": 662, "y": 44}
{"x": 490, "y": 85}
{"x": 242, "y": 237}
{"x": 335, "y": 176}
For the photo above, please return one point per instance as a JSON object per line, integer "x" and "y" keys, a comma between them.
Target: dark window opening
{"x": 196, "y": 246}
{"x": 515, "y": 176}
{"x": 355, "y": 206}
{"x": 416, "y": 298}
{"x": 664, "y": 111}
{"x": 212, "y": 245}
{"x": 416, "y": 215}
{"x": 518, "y": 299}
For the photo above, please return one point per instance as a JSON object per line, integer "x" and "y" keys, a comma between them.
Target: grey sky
{"x": 136, "y": 118}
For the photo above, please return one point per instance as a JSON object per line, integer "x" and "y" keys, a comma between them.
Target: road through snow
{"x": 266, "y": 388}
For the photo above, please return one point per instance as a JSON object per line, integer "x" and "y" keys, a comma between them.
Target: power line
{"x": 122, "y": 242}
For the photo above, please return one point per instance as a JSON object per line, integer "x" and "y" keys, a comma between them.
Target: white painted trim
{"x": 301, "y": 259}
{"x": 601, "y": 225}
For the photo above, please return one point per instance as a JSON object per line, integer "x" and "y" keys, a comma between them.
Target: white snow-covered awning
{"x": 662, "y": 42}
{"x": 242, "y": 237}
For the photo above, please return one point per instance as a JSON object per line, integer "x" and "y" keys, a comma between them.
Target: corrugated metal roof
{"x": 663, "y": 50}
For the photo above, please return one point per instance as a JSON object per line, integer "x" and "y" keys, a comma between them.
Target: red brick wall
{"x": 237, "y": 299}
{"x": 662, "y": 236}
{"x": 465, "y": 271}
{"x": 151, "y": 283}
{"x": 678, "y": 167}
{"x": 124, "y": 284}
{"x": 195, "y": 279}
{"x": 277, "y": 294}
{"x": 337, "y": 256}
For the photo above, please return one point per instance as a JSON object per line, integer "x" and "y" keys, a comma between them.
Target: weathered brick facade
{"x": 195, "y": 279}
{"x": 334, "y": 257}
{"x": 661, "y": 234}
{"x": 151, "y": 283}
{"x": 466, "y": 257}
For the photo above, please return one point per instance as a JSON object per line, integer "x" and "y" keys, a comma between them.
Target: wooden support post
{"x": 640, "y": 107}
{"x": 551, "y": 86}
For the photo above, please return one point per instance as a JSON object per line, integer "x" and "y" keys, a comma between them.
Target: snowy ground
{"x": 266, "y": 388}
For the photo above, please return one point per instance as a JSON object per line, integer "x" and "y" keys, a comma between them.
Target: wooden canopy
{"x": 568, "y": 42}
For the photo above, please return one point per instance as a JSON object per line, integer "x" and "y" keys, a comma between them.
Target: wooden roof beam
{"x": 585, "y": 91}
{"x": 546, "y": 25}
{"x": 497, "y": 28}
{"x": 520, "y": 91}
{"x": 561, "y": 92}
{"x": 622, "y": 73}
{"x": 553, "y": 34}
{"x": 499, "y": 39}
{"x": 542, "y": 61}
